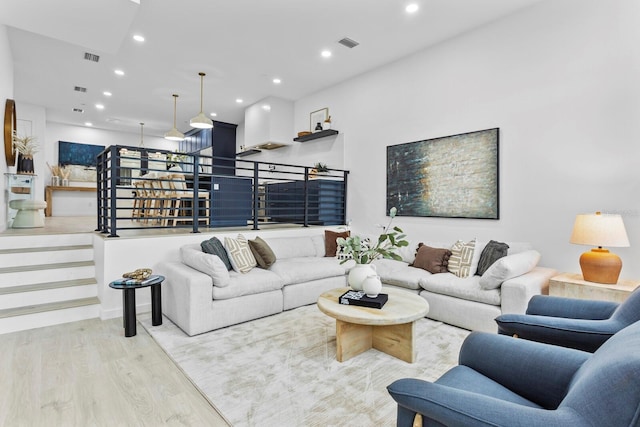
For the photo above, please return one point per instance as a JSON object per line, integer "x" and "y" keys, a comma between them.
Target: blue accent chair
{"x": 502, "y": 381}
{"x": 575, "y": 323}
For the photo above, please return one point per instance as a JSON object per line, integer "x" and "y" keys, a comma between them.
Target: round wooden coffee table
{"x": 389, "y": 329}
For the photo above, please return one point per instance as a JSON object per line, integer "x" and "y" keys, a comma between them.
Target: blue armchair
{"x": 501, "y": 381}
{"x": 575, "y": 323}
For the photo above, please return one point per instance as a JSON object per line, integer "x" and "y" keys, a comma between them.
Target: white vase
{"x": 358, "y": 273}
{"x": 372, "y": 285}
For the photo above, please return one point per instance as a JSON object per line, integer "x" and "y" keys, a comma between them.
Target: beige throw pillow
{"x": 242, "y": 260}
{"x": 461, "y": 258}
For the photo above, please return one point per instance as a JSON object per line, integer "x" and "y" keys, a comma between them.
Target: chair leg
{"x": 406, "y": 417}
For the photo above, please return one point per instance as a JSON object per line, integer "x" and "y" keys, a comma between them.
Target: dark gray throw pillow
{"x": 490, "y": 254}
{"x": 214, "y": 246}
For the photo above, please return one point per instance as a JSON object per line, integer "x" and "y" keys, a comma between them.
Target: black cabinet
{"x": 285, "y": 202}
{"x": 230, "y": 199}
{"x": 222, "y": 139}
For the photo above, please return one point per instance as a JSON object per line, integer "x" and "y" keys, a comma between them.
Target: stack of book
{"x": 361, "y": 299}
{"x": 129, "y": 281}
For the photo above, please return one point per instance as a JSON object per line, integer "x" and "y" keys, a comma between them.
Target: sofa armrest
{"x": 517, "y": 292}
{"x": 187, "y": 294}
{"x": 539, "y": 372}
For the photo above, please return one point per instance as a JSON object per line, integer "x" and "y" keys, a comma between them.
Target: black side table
{"x": 129, "y": 302}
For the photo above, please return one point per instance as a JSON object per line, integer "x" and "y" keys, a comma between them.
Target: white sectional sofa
{"x": 202, "y": 299}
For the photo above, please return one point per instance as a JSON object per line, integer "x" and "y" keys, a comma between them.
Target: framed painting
{"x": 453, "y": 176}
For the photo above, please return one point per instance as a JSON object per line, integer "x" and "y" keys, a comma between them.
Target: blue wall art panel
{"x": 453, "y": 176}
{"x": 73, "y": 153}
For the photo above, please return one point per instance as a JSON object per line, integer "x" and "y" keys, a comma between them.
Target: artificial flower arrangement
{"x": 26, "y": 145}
{"x": 362, "y": 251}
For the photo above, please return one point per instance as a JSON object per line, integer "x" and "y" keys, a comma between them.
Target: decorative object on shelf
{"x": 27, "y": 147}
{"x": 321, "y": 167}
{"x": 317, "y": 118}
{"x": 201, "y": 121}
{"x": 138, "y": 274}
{"x": 372, "y": 285}
{"x": 9, "y": 129}
{"x": 599, "y": 265}
{"x": 326, "y": 125}
{"x": 318, "y": 127}
{"x": 303, "y": 133}
{"x": 175, "y": 159}
{"x": 316, "y": 135}
{"x": 359, "y": 298}
{"x": 174, "y": 134}
{"x": 472, "y": 155}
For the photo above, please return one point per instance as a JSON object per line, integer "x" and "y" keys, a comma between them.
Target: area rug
{"x": 281, "y": 370}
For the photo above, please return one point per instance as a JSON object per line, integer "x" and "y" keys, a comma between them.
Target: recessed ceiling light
{"x": 213, "y": 114}
{"x": 119, "y": 72}
{"x": 107, "y": 93}
{"x": 239, "y": 100}
{"x": 266, "y": 107}
{"x": 277, "y": 81}
{"x": 138, "y": 38}
{"x": 411, "y": 8}
{"x": 100, "y": 106}
{"x": 88, "y": 124}
{"x": 325, "y": 53}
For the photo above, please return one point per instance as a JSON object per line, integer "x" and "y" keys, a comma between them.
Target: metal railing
{"x": 141, "y": 188}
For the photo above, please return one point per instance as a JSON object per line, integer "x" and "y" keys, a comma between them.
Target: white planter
{"x": 358, "y": 273}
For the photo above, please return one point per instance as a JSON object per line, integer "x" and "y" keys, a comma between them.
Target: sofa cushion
{"x": 434, "y": 260}
{"x": 492, "y": 252}
{"x": 509, "y": 267}
{"x": 292, "y": 247}
{"x": 262, "y": 252}
{"x": 208, "y": 264}
{"x": 240, "y": 255}
{"x": 256, "y": 281}
{"x": 330, "y": 245}
{"x": 305, "y": 269}
{"x": 398, "y": 273}
{"x": 214, "y": 246}
{"x": 461, "y": 258}
{"x": 467, "y": 288}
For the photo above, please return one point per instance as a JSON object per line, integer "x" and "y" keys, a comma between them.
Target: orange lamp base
{"x": 600, "y": 266}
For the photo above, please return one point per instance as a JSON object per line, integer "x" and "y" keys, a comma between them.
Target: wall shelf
{"x": 316, "y": 135}
{"x": 248, "y": 152}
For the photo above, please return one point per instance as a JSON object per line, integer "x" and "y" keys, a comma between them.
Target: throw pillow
{"x": 214, "y": 246}
{"x": 461, "y": 258}
{"x": 262, "y": 252}
{"x": 509, "y": 267}
{"x": 490, "y": 254}
{"x": 242, "y": 260}
{"x": 330, "y": 245}
{"x": 208, "y": 264}
{"x": 434, "y": 260}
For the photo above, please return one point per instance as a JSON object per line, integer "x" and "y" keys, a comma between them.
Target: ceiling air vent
{"x": 91, "y": 57}
{"x": 78, "y": 110}
{"x": 80, "y": 89}
{"x": 348, "y": 42}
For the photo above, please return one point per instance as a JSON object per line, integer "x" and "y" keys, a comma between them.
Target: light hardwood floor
{"x": 88, "y": 374}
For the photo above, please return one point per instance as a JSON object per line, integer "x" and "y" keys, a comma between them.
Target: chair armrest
{"x": 517, "y": 292}
{"x": 535, "y": 371}
{"x": 450, "y": 406}
{"x": 544, "y": 305}
{"x": 581, "y": 334}
{"x": 186, "y": 294}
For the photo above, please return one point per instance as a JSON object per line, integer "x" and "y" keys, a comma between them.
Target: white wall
{"x": 560, "y": 80}
{"x": 6, "y": 92}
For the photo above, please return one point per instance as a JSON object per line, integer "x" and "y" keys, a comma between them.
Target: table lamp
{"x": 599, "y": 265}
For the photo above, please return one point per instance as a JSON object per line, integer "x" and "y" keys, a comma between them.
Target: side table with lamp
{"x": 600, "y": 268}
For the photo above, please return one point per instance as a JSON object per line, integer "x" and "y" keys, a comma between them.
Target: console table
{"x": 49, "y": 190}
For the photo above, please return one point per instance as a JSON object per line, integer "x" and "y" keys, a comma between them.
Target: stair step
{"x": 41, "y": 308}
{"x": 61, "y": 313}
{"x": 33, "y": 275}
{"x": 39, "y": 267}
{"x": 9, "y": 242}
{"x": 49, "y": 285}
{"x": 44, "y": 249}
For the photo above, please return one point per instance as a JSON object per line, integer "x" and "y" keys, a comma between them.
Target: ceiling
{"x": 242, "y": 45}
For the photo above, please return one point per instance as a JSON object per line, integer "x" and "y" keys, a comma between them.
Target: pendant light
{"x": 141, "y": 135}
{"x": 174, "y": 134}
{"x": 201, "y": 121}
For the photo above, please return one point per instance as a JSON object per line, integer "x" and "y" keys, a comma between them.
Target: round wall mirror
{"x": 9, "y": 127}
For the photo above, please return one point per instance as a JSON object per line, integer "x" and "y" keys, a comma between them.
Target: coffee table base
{"x": 395, "y": 340}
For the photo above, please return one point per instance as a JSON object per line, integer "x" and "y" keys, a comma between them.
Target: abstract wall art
{"x": 453, "y": 176}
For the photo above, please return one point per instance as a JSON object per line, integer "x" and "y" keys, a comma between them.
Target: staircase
{"x": 46, "y": 280}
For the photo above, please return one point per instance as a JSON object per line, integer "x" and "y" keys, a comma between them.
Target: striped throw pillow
{"x": 242, "y": 260}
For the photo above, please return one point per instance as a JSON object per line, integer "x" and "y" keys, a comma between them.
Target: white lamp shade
{"x": 174, "y": 135}
{"x": 599, "y": 230}
{"x": 201, "y": 122}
